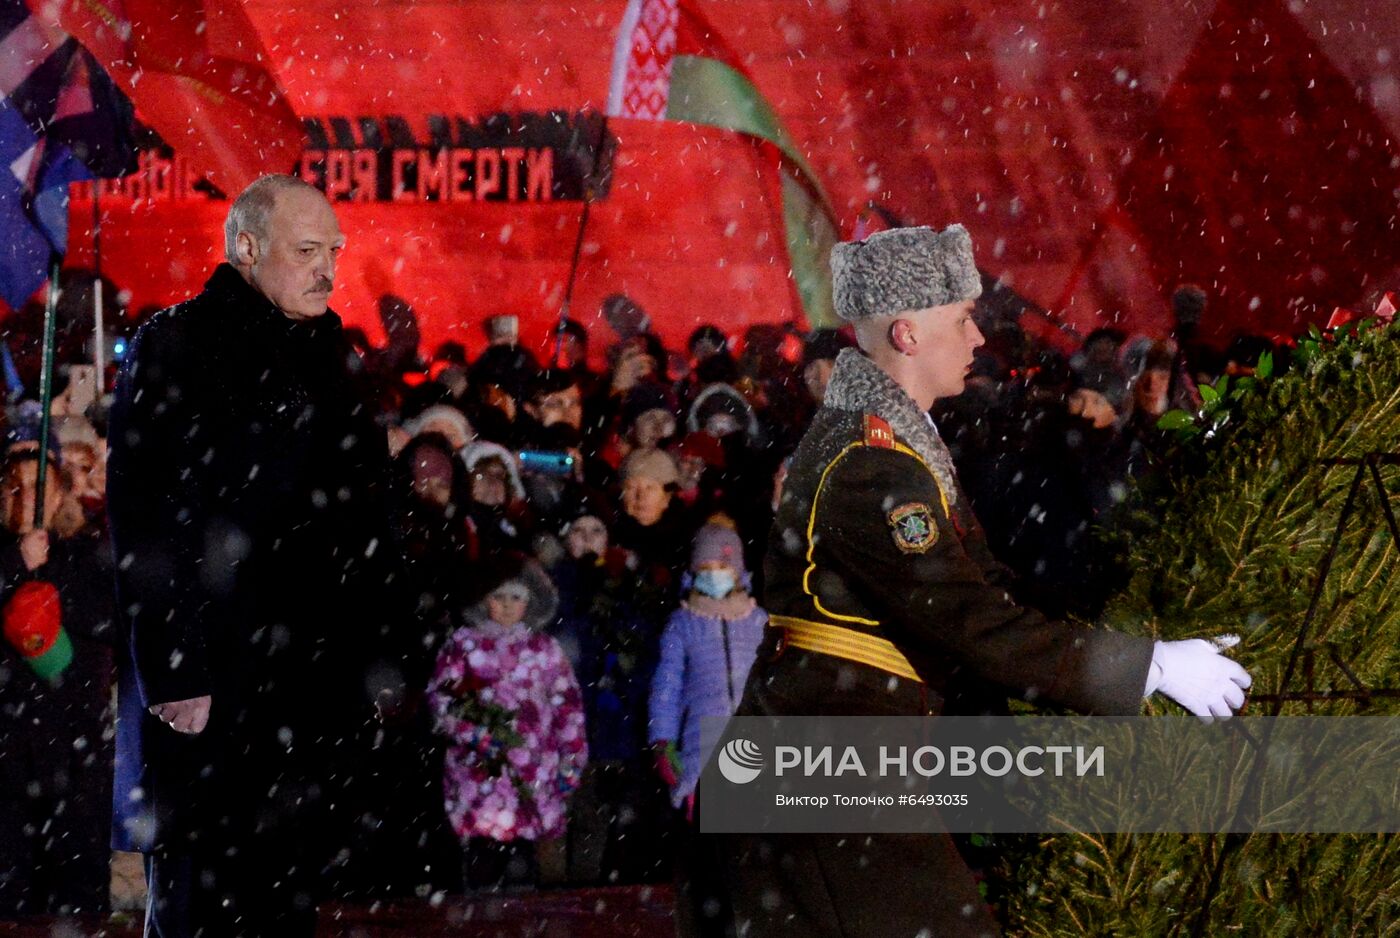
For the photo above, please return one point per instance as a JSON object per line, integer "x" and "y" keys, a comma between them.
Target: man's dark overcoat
{"x": 874, "y": 552}
{"x": 250, "y": 538}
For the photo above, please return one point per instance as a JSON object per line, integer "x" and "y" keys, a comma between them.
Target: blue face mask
{"x": 715, "y": 583}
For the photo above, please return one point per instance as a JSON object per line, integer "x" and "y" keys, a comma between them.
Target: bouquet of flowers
{"x": 511, "y": 713}
{"x": 492, "y": 734}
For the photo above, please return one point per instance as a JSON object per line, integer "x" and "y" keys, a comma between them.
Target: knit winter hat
{"x": 903, "y": 269}
{"x": 654, "y": 464}
{"x": 716, "y": 543}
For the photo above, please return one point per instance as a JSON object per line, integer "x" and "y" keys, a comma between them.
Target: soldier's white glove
{"x": 1198, "y": 676}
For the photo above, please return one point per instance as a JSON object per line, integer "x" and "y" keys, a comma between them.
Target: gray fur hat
{"x": 902, "y": 269}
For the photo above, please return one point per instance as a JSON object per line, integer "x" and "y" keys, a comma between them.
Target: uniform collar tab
{"x": 859, "y": 385}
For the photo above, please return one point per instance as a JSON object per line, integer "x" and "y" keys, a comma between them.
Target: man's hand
{"x": 1196, "y": 674}
{"x": 34, "y": 549}
{"x": 184, "y": 716}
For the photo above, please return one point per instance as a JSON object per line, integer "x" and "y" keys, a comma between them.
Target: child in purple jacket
{"x": 706, "y": 651}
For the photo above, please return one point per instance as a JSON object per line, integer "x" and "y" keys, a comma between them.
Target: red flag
{"x": 197, "y": 73}
{"x": 670, "y": 64}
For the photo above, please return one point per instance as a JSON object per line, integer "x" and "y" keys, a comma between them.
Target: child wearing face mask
{"x": 706, "y": 651}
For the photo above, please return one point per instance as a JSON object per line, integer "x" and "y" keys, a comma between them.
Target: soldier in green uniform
{"x": 885, "y": 600}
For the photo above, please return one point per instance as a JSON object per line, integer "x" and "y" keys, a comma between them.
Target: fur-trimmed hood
{"x": 543, "y": 603}
{"x": 858, "y": 384}
{"x": 725, "y": 397}
{"x": 477, "y": 450}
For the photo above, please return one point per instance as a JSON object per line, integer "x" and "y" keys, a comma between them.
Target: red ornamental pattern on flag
{"x": 646, "y": 47}
{"x": 670, "y": 64}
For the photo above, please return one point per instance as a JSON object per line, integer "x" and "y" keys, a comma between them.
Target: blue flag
{"x": 62, "y": 120}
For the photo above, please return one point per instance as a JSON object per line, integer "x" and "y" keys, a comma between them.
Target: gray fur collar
{"x": 858, "y": 384}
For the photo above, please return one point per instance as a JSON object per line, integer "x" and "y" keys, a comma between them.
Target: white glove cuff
{"x": 1154, "y": 673}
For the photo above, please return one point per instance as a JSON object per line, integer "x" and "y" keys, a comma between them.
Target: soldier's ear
{"x": 245, "y": 248}
{"x": 902, "y": 337}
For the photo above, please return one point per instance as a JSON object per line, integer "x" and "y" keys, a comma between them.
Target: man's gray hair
{"x": 253, "y": 207}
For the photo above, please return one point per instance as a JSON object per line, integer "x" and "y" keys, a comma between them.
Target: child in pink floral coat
{"x": 505, "y": 697}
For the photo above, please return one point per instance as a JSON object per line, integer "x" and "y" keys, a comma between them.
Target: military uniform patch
{"x": 878, "y": 432}
{"x": 913, "y": 527}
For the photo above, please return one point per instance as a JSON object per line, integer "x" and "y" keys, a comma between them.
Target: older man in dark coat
{"x": 254, "y": 574}
{"x": 884, "y": 600}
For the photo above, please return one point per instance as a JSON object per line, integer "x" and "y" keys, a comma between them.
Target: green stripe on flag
{"x": 810, "y": 238}
{"x": 706, "y": 91}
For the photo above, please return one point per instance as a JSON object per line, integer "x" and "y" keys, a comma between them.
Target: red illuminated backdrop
{"x": 1099, "y": 151}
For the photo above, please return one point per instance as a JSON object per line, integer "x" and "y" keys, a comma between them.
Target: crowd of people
{"x": 56, "y": 739}
{"x": 583, "y": 551}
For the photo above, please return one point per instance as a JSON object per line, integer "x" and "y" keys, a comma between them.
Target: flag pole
{"x": 569, "y": 287}
{"x": 46, "y": 385}
{"x": 589, "y": 188}
{"x": 99, "y": 351}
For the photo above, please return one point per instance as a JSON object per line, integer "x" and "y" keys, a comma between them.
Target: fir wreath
{"x": 1249, "y": 513}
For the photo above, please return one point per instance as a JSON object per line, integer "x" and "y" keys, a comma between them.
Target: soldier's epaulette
{"x": 878, "y": 432}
